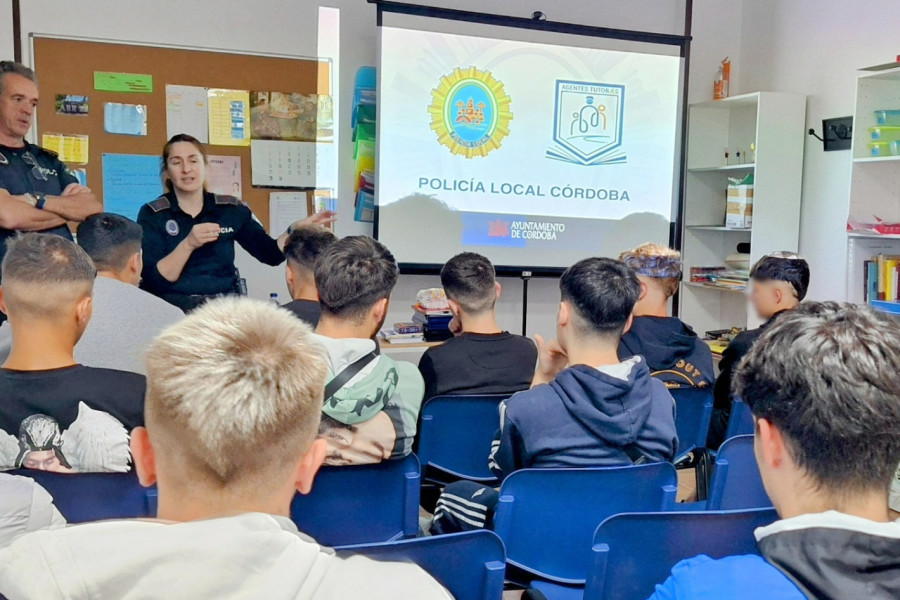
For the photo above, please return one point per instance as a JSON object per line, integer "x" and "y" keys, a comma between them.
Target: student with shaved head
{"x": 56, "y": 414}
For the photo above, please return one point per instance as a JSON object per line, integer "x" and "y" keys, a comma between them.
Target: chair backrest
{"x": 740, "y": 421}
{"x": 455, "y": 437}
{"x": 634, "y": 552}
{"x": 693, "y": 412}
{"x": 361, "y": 504}
{"x": 82, "y": 497}
{"x": 736, "y": 483}
{"x": 546, "y": 517}
{"x": 470, "y": 565}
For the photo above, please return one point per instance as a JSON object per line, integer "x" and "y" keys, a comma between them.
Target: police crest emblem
{"x": 470, "y": 112}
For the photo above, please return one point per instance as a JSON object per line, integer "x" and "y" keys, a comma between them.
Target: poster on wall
{"x": 291, "y": 117}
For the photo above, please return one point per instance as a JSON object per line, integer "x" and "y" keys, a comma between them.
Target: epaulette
{"x": 35, "y": 149}
{"x": 221, "y": 199}
{"x": 161, "y": 203}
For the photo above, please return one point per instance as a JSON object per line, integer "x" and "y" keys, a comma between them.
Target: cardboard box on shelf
{"x": 739, "y": 206}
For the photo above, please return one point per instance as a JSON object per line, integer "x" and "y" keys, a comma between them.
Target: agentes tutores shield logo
{"x": 587, "y": 123}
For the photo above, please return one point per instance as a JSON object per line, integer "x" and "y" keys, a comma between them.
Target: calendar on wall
{"x": 276, "y": 163}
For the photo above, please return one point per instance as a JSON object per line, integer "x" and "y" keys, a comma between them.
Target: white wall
{"x": 289, "y": 27}
{"x": 814, "y": 47}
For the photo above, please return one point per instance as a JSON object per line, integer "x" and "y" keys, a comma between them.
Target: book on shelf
{"x": 881, "y": 278}
{"x": 720, "y": 277}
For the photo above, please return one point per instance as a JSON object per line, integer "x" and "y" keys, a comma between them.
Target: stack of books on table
{"x": 436, "y": 323}
{"x": 404, "y": 333}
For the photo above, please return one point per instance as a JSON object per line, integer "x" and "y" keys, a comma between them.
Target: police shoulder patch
{"x": 161, "y": 203}
{"x": 221, "y": 199}
{"x": 40, "y": 149}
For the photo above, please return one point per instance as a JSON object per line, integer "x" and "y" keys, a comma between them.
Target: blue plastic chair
{"x": 736, "y": 483}
{"x": 361, "y": 504}
{"x": 693, "y": 412}
{"x": 455, "y": 437}
{"x": 470, "y": 565}
{"x": 632, "y": 553}
{"x": 740, "y": 421}
{"x": 82, "y": 497}
{"x": 546, "y": 517}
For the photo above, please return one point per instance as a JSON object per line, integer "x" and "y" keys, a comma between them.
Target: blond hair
{"x": 657, "y": 262}
{"x": 235, "y": 390}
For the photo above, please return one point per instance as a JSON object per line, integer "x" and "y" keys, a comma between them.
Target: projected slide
{"x": 536, "y": 155}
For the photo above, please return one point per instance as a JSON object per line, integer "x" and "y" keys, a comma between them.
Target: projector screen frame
{"x": 683, "y": 42}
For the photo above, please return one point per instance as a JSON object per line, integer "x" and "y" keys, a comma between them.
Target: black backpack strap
{"x": 341, "y": 379}
{"x": 634, "y": 453}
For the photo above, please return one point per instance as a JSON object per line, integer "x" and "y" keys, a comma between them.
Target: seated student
{"x": 778, "y": 283}
{"x": 481, "y": 358}
{"x": 822, "y": 385}
{"x": 302, "y": 248}
{"x": 125, "y": 317}
{"x": 371, "y": 401}
{"x": 55, "y": 414}
{"x": 228, "y": 456}
{"x": 672, "y": 350}
{"x": 24, "y": 507}
{"x": 586, "y": 408}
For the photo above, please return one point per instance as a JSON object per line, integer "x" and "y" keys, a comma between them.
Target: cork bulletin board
{"x": 67, "y": 66}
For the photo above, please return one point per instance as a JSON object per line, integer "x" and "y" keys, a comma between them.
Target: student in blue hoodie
{"x": 672, "y": 350}
{"x": 822, "y": 385}
{"x": 586, "y": 408}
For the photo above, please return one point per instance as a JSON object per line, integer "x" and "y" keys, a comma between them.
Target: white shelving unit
{"x": 775, "y": 123}
{"x": 874, "y": 180}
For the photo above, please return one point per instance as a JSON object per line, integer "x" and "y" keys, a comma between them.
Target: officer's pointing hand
{"x": 202, "y": 233}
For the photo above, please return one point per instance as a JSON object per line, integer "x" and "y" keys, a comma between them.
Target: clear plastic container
{"x": 895, "y": 148}
{"x": 887, "y": 117}
{"x": 880, "y": 148}
{"x": 885, "y": 133}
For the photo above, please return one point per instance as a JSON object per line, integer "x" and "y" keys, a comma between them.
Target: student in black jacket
{"x": 303, "y": 247}
{"x": 673, "y": 352}
{"x": 778, "y": 283}
{"x": 481, "y": 358}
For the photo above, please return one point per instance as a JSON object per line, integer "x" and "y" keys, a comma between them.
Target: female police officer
{"x": 189, "y": 233}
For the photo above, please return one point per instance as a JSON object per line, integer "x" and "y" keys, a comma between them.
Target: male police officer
{"x": 37, "y": 190}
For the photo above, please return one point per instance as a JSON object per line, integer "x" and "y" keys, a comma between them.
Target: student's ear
{"x": 83, "y": 310}
{"x": 309, "y": 466}
{"x": 143, "y": 456}
{"x": 629, "y": 322}
{"x": 454, "y": 307}
{"x": 771, "y": 450}
{"x": 135, "y": 263}
{"x": 563, "y": 315}
{"x": 3, "y": 301}
{"x": 779, "y": 295}
{"x": 499, "y": 289}
{"x": 644, "y": 290}
{"x": 289, "y": 277}
{"x": 379, "y": 311}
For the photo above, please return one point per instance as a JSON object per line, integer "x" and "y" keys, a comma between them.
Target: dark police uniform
{"x": 33, "y": 170}
{"x": 210, "y": 270}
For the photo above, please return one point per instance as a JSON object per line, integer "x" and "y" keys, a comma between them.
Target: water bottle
{"x": 273, "y": 298}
